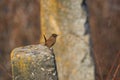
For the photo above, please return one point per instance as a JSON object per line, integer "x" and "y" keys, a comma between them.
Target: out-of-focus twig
{"x": 116, "y": 72}
{"x": 3, "y": 68}
{"x": 111, "y": 69}
{"x": 99, "y": 68}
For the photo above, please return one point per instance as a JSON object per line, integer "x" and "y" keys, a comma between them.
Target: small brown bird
{"x": 51, "y": 41}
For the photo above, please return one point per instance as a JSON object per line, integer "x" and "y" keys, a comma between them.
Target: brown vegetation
{"x": 104, "y": 17}
{"x": 19, "y": 25}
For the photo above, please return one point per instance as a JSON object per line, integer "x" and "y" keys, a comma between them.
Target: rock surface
{"x": 67, "y": 18}
{"x": 33, "y": 62}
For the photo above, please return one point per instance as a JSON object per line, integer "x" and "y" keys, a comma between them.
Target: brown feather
{"x": 51, "y": 41}
{"x": 45, "y": 38}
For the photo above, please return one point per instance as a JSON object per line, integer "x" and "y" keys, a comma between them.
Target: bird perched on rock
{"x": 50, "y": 41}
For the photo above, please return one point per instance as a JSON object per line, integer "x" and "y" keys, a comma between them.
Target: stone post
{"x": 33, "y": 62}
{"x": 67, "y": 18}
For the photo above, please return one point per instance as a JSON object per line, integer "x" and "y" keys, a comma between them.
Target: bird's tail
{"x": 45, "y": 38}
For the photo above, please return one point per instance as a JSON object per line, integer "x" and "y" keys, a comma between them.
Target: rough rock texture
{"x": 19, "y": 26}
{"x": 67, "y": 18}
{"x": 104, "y": 19}
{"x": 33, "y": 62}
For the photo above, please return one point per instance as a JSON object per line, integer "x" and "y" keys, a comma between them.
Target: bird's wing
{"x": 50, "y": 42}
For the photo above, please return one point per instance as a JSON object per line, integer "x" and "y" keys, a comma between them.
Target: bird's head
{"x": 54, "y": 35}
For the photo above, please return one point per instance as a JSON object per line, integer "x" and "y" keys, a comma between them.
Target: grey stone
{"x": 32, "y": 63}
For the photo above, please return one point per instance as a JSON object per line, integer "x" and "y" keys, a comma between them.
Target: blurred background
{"x": 19, "y": 26}
{"x": 88, "y": 35}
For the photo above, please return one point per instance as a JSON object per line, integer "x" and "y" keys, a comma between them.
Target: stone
{"x": 31, "y": 63}
{"x": 67, "y": 18}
